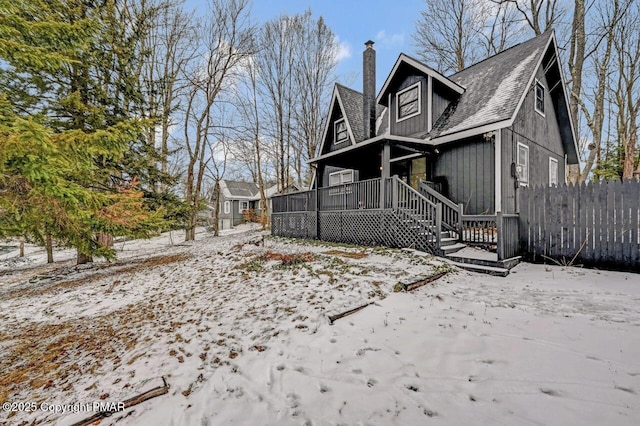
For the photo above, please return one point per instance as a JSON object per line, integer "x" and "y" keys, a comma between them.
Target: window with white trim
{"x": 553, "y": 171}
{"x": 539, "y": 98}
{"x": 408, "y": 102}
{"x": 227, "y": 207}
{"x": 242, "y": 206}
{"x": 338, "y": 178}
{"x": 523, "y": 164}
{"x": 341, "y": 135}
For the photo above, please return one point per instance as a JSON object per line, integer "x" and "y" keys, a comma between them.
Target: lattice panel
{"x": 294, "y": 225}
{"x": 370, "y": 228}
{"x": 364, "y": 227}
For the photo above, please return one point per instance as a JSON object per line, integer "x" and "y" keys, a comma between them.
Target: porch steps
{"x": 477, "y": 260}
{"x": 448, "y": 249}
{"x": 489, "y": 270}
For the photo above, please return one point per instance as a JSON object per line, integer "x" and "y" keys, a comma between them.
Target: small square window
{"x": 408, "y": 102}
{"x": 341, "y": 131}
{"x": 539, "y": 98}
{"x": 242, "y": 206}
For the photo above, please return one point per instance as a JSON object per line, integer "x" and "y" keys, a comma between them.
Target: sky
{"x": 388, "y": 23}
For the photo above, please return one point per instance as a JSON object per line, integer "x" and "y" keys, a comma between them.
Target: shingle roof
{"x": 494, "y": 87}
{"x": 352, "y": 103}
{"x": 240, "y": 189}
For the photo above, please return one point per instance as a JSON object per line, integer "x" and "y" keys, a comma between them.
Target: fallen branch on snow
{"x": 138, "y": 399}
{"x": 335, "y": 317}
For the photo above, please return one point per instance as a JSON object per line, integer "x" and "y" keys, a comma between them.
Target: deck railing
{"x": 451, "y": 212}
{"x": 423, "y": 213}
{"x": 351, "y": 196}
{"x": 303, "y": 201}
{"x": 479, "y": 229}
{"x": 426, "y": 215}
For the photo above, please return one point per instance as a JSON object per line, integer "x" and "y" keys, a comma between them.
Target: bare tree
{"x": 275, "y": 61}
{"x": 316, "y": 52}
{"x": 247, "y": 104}
{"x": 225, "y": 43}
{"x": 453, "y": 34}
{"x": 627, "y": 91}
{"x": 167, "y": 44}
{"x": 539, "y": 15}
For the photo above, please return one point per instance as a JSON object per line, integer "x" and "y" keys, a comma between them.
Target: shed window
{"x": 227, "y": 207}
{"x": 408, "y": 102}
{"x": 341, "y": 131}
{"x": 523, "y": 164}
{"x": 553, "y": 171}
{"x": 242, "y": 206}
{"x": 539, "y": 98}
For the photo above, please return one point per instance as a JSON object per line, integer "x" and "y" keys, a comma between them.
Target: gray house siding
{"x": 413, "y": 125}
{"x": 541, "y": 135}
{"x": 469, "y": 172}
{"x": 330, "y": 144}
{"x": 441, "y": 98}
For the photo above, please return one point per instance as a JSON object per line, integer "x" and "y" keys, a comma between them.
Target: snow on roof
{"x": 494, "y": 87}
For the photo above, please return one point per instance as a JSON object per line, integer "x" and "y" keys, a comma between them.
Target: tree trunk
{"x": 21, "y": 247}
{"x": 216, "y": 209}
{"x": 49, "y": 247}
{"x": 83, "y": 258}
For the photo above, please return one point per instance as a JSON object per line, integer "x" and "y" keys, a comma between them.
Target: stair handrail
{"x": 436, "y": 207}
{"x": 450, "y": 209}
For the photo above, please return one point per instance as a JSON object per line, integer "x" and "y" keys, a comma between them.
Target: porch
{"x": 389, "y": 212}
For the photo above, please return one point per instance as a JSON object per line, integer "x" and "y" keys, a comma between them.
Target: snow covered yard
{"x": 240, "y": 332}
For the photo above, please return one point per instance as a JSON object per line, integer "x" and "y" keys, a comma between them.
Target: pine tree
{"x": 65, "y": 130}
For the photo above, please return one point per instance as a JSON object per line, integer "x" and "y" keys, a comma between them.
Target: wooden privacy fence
{"x": 593, "y": 224}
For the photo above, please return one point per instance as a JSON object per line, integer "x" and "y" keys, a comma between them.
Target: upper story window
{"x": 539, "y": 98}
{"x": 408, "y": 102}
{"x": 341, "y": 131}
{"x": 523, "y": 164}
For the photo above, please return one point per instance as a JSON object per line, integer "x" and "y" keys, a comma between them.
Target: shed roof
{"x": 233, "y": 189}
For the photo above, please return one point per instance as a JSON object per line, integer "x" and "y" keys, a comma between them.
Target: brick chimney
{"x": 369, "y": 90}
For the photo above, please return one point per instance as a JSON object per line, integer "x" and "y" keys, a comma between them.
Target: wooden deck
{"x": 390, "y": 213}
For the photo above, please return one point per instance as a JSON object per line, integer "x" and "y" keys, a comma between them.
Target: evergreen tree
{"x": 66, "y": 129}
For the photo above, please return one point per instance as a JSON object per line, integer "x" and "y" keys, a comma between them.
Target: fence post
{"x": 500, "y": 237}
{"x": 394, "y": 192}
{"x": 317, "y": 208}
{"x": 438, "y": 225}
{"x": 460, "y": 224}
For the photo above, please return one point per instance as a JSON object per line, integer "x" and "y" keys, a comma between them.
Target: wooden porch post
{"x": 385, "y": 172}
{"x": 499, "y": 239}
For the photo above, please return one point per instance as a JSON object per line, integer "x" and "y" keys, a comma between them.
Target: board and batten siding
{"x": 441, "y": 98}
{"x": 469, "y": 172}
{"x": 412, "y": 125}
{"x": 542, "y": 135}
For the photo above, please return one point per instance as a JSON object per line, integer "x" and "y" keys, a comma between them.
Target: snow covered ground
{"x": 240, "y": 332}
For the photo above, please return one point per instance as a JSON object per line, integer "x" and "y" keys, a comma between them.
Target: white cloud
{"x": 393, "y": 40}
{"x": 343, "y": 51}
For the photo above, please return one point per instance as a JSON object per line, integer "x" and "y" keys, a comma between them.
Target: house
{"x": 238, "y": 196}
{"x": 431, "y": 147}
